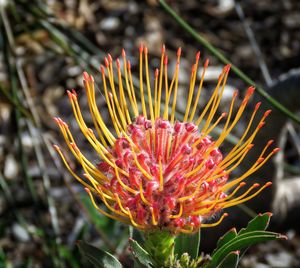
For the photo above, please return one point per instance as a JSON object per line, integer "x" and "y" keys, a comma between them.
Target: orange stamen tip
{"x": 268, "y": 184}
{"x": 141, "y": 48}
{"x": 118, "y": 63}
{"x": 257, "y": 105}
{"x": 56, "y": 147}
{"x": 276, "y": 150}
{"x": 179, "y": 52}
{"x": 242, "y": 184}
{"x": 145, "y": 50}
{"x": 260, "y": 159}
{"x": 193, "y": 68}
{"x": 110, "y": 94}
{"x": 206, "y": 63}
{"x": 250, "y": 146}
{"x": 74, "y": 92}
{"x": 267, "y": 112}
{"x": 225, "y": 215}
{"x": 69, "y": 93}
{"x": 255, "y": 185}
{"x": 56, "y": 120}
{"x": 250, "y": 90}
{"x": 128, "y": 65}
{"x": 235, "y": 93}
{"x": 109, "y": 57}
{"x": 102, "y": 69}
{"x": 270, "y": 214}
{"x": 87, "y": 190}
{"x": 270, "y": 142}
{"x": 227, "y": 68}
{"x": 123, "y": 53}
{"x": 223, "y": 114}
{"x": 261, "y": 124}
{"x": 198, "y": 56}
{"x": 166, "y": 60}
{"x": 86, "y": 76}
{"x": 163, "y": 49}
{"x": 106, "y": 62}
{"x": 156, "y": 73}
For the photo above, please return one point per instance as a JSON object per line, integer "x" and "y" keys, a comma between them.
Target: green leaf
{"x": 231, "y": 234}
{"x": 188, "y": 244}
{"x": 231, "y": 260}
{"x": 140, "y": 254}
{"x": 240, "y": 242}
{"x": 98, "y": 257}
{"x": 259, "y": 223}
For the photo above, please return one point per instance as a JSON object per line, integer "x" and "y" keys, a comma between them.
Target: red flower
{"x": 158, "y": 172}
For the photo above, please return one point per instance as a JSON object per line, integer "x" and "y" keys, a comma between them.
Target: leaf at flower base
{"x": 259, "y": 223}
{"x": 231, "y": 234}
{"x": 231, "y": 260}
{"x": 239, "y": 242}
{"x": 141, "y": 255}
{"x": 188, "y": 244}
{"x": 98, "y": 257}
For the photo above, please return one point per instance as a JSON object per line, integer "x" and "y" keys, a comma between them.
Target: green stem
{"x": 160, "y": 246}
{"x": 224, "y": 60}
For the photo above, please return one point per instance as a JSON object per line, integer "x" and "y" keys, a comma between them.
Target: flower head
{"x": 155, "y": 171}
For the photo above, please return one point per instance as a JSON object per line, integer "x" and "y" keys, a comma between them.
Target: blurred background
{"x": 44, "y": 48}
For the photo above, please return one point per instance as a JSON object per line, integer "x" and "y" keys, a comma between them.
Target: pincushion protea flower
{"x": 156, "y": 172}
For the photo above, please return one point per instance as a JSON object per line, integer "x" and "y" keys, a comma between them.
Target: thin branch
{"x": 259, "y": 56}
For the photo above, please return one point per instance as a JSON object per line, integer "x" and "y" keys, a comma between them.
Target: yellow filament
{"x": 160, "y": 83}
{"x": 215, "y": 104}
{"x": 133, "y": 91}
{"x": 133, "y": 222}
{"x": 114, "y": 217}
{"x": 168, "y": 96}
{"x": 70, "y": 142}
{"x": 154, "y": 221}
{"x": 214, "y": 125}
{"x": 116, "y": 101}
{"x": 175, "y": 94}
{"x": 71, "y": 171}
{"x": 254, "y": 167}
{"x": 179, "y": 213}
{"x": 120, "y": 205}
{"x": 114, "y": 120}
{"x": 142, "y": 195}
{"x": 205, "y": 225}
{"x": 142, "y": 85}
{"x": 155, "y": 97}
{"x": 96, "y": 117}
{"x": 123, "y": 101}
{"x": 198, "y": 95}
{"x": 191, "y": 92}
{"x": 165, "y": 115}
{"x": 127, "y": 188}
{"x": 131, "y": 99}
{"x": 114, "y": 117}
{"x": 185, "y": 231}
{"x": 239, "y": 201}
{"x": 149, "y": 88}
{"x": 214, "y": 95}
{"x": 144, "y": 172}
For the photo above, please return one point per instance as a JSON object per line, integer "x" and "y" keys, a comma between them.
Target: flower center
{"x": 156, "y": 160}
